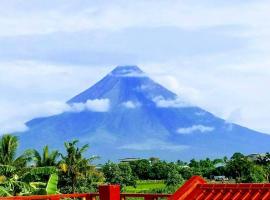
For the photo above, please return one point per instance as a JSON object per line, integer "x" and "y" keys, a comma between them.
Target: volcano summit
{"x": 126, "y": 114}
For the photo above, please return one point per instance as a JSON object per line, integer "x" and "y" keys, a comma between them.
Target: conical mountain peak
{"x": 129, "y": 115}
{"x": 127, "y": 70}
{"x": 122, "y": 84}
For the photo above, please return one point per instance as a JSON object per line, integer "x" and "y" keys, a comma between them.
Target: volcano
{"x": 127, "y": 114}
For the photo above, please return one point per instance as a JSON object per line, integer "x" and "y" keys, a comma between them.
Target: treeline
{"x": 70, "y": 171}
{"x": 239, "y": 168}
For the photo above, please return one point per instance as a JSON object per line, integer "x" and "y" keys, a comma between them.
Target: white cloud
{"x": 15, "y": 116}
{"x": 98, "y": 105}
{"x": 77, "y": 107}
{"x": 132, "y": 74}
{"x": 131, "y": 104}
{"x": 170, "y": 103}
{"x": 95, "y": 105}
{"x": 153, "y": 144}
{"x": 195, "y": 128}
{"x": 128, "y": 71}
{"x": 186, "y": 92}
{"x": 223, "y": 87}
{"x": 17, "y": 126}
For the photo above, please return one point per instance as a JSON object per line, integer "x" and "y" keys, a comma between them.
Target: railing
{"x": 107, "y": 192}
{"x": 195, "y": 188}
{"x": 92, "y": 196}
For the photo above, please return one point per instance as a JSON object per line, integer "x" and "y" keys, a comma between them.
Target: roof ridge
{"x": 197, "y": 188}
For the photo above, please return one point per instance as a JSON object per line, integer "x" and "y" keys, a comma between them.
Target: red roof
{"x": 196, "y": 188}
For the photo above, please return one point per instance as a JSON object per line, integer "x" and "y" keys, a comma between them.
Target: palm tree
{"x": 8, "y": 148}
{"x": 45, "y": 159}
{"x": 16, "y": 176}
{"x": 9, "y": 162}
{"x": 74, "y": 164}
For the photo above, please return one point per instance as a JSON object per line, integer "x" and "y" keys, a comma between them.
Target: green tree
{"x": 154, "y": 160}
{"x": 237, "y": 166}
{"x": 16, "y": 176}
{"x": 186, "y": 172}
{"x": 181, "y": 163}
{"x": 46, "y": 158}
{"x": 263, "y": 159}
{"x": 127, "y": 178}
{"x": 159, "y": 170}
{"x": 267, "y": 172}
{"x": 245, "y": 170}
{"x": 8, "y": 149}
{"x": 112, "y": 173}
{"x": 255, "y": 174}
{"x": 203, "y": 167}
{"x": 141, "y": 169}
{"x": 119, "y": 174}
{"x": 45, "y": 163}
{"x": 174, "y": 178}
{"x": 74, "y": 165}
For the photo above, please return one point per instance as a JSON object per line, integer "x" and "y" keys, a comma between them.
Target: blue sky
{"x": 213, "y": 53}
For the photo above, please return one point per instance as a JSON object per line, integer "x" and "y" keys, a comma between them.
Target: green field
{"x": 146, "y": 186}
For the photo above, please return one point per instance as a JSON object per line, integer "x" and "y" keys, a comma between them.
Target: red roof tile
{"x": 197, "y": 189}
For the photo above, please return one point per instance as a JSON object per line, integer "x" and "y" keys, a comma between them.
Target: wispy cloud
{"x": 74, "y": 16}
{"x": 170, "y": 103}
{"x": 195, "y": 129}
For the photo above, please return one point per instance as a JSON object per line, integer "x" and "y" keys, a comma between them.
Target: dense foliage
{"x": 51, "y": 171}
{"x": 239, "y": 168}
{"x": 46, "y": 172}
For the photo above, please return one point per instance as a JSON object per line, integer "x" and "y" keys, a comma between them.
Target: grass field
{"x": 145, "y": 186}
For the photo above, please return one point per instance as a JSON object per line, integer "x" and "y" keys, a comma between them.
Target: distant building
{"x": 154, "y": 160}
{"x": 127, "y": 160}
{"x": 98, "y": 167}
{"x": 255, "y": 156}
{"x": 220, "y": 178}
{"x": 219, "y": 165}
